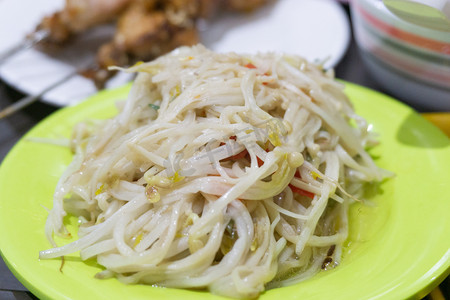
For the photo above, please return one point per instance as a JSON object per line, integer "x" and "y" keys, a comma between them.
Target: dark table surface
{"x": 350, "y": 68}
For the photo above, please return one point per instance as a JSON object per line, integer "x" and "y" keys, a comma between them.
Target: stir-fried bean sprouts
{"x": 222, "y": 171}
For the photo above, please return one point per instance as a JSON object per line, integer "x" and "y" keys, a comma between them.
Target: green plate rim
{"x": 426, "y": 283}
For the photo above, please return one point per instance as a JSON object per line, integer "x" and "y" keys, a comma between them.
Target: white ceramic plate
{"x": 315, "y": 29}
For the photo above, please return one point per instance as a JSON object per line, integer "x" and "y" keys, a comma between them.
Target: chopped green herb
{"x": 154, "y": 106}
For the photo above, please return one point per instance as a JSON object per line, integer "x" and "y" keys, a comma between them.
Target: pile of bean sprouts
{"x": 228, "y": 172}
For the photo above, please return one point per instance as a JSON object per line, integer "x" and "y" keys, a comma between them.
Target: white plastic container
{"x": 411, "y": 61}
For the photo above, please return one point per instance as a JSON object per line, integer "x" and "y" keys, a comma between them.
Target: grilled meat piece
{"x": 145, "y": 28}
{"x": 244, "y": 5}
{"x": 143, "y": 34}
{"x": 80, "y": 15}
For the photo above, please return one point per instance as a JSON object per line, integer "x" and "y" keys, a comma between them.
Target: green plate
{"x": 398, "y": 248}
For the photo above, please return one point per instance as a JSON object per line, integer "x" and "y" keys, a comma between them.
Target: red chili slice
{"x": 240, "y": 155}
{"x": 260, "y": 161}
{"x": 301, "y": 191}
